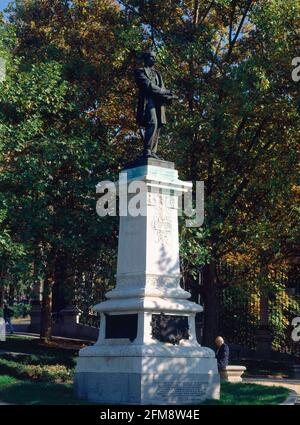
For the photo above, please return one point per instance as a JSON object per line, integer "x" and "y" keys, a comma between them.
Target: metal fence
{"x": 90, "y": 319}
{"x": 238, "y": 315}
{"x": 239, "y": 309}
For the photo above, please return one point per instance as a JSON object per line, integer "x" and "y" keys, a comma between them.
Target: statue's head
{"x": 149, "y": 57}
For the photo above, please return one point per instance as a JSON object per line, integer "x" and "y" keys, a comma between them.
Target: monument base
{"x": 147, "y": 351}
{"x": 143, "y": 375}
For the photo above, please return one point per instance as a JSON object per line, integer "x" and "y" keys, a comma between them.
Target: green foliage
{"x": 194, "y": 249}
{"x": 67, "y": 112}
{"x": 30, "y": 360}
{"x": 21, "y": 309}
{"x": 46, "y": 373}
{"x": 52, "y": 154}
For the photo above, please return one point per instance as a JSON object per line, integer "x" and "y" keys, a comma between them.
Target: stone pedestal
{"x": 67, "y": 322}
{"x": 232, "y": 374}
{"x": 35, "y": 317}
{"x": 2, "y": 330}
{"x": 35, "y": 312}
{"x": 147, "y": 351}
{"x": 69, "y": 316}
{"x": 263, "y": 343}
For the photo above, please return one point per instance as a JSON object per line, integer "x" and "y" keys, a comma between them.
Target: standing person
{"x": 8, "y": 313}
{"x": 222, "y": 355}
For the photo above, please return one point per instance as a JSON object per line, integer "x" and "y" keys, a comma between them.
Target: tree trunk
{"x": 196, "y": 12}
{"x": 1, "y": 295}
{"x": 59, "y": 287}
{"x": 211, "y": 305}
{"x": 46, "y": 311}
{"x": 3, "y": 270}
{"x": 264, "y": 310}
{"x": 11, "y": 294}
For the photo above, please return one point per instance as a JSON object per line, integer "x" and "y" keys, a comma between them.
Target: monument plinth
{"x": 2, "y": 330}
{"x": 147, "y": 352}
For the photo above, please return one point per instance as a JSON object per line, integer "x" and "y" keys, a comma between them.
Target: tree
{"x": 237, "y": 124}
{"x": 55, "y": 153}
{"x": 68, "y": 116}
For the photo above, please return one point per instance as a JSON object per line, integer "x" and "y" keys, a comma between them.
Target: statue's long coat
{"x": 149, "y": 92}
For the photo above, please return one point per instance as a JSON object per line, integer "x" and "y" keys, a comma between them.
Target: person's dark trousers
{"x": 223, "y": 374}
{"x": 152, "y": 131}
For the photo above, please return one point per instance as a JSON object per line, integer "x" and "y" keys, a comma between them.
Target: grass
{"x": 39, "y": 374}
{"x": 31, "y": 360}
{"x": 27, "y": 392}
{"x": 249, "y": 394}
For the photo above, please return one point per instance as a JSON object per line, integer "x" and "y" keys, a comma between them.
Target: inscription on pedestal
{"x": 192, "y": 391}
{"x": 169, "y": 328}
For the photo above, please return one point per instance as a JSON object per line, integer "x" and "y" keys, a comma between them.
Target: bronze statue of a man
{"x": 153, "y": 98}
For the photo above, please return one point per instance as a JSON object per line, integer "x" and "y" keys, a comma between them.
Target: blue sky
{"x": 3, "y": 4}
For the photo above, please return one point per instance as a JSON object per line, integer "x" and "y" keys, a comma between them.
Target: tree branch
{"x": 206, "y": 12}
{"x": 233, "y": 41}
{"x": 246, "y": 180}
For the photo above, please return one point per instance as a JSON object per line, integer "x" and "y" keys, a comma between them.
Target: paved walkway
{"x": 291, "y": 384}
